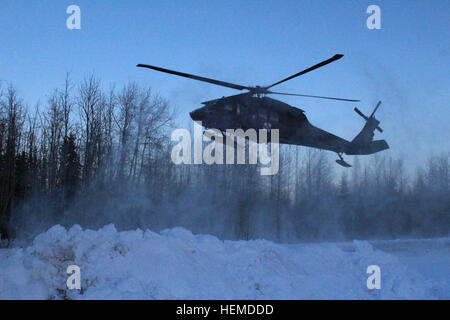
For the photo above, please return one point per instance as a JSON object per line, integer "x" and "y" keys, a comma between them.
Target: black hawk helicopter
{"x": 253, "y": 109}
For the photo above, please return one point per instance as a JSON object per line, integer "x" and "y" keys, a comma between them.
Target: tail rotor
{"x": 372, "y": 116}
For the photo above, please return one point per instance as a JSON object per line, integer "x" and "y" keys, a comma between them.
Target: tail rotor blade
{"x": 376, "y": 108}
{"x": 369, "y": 118}
{"x": 361, "y": 114}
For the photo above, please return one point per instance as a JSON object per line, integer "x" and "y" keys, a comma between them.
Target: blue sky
{"x": 249, "y": 42}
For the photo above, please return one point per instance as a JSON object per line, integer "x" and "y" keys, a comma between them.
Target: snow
{"x": 175, "y": 264}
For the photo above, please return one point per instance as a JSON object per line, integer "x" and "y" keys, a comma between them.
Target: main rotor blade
{"x": 309, "y": 96}
{"x": 321, "y": 64}
{"x": 191, "y": 76}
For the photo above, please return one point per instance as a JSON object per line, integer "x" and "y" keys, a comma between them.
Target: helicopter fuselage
{"x": 246, "y": 111}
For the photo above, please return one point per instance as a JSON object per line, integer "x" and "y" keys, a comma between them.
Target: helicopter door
{"x": 274, "y": 119}
{"x": 228, "y": 114}
{"x": 242, "y": 116}
{"x": 264, "y": 119}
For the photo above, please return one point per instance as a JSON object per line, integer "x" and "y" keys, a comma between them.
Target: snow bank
{"x": 176, "y": 264}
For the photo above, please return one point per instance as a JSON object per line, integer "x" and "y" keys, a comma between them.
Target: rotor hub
{"x": 258, "y": 90}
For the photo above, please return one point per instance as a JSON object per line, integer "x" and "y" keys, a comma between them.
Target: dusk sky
{"x": 405, "y": 64}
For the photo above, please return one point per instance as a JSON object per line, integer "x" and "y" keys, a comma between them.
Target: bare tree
{"x": 54, "y": 123}
{"x": 66, "y": 104}
{"x": 13, "y": 110}
{"x": 127, "y": 111}
{"x": 108, "y": 118}
{"x": 89, "y": 103}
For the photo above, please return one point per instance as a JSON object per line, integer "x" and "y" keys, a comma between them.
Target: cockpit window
{"x": 274, "y": 117}
{"x": 229, "y": 107}
{"x": 263, "y": 114}
{"x": 296, "y": 114}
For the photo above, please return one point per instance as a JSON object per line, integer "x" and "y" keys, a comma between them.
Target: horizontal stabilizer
{"x": 372, "y": 147}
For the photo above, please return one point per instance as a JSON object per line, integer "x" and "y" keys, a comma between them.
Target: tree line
{"x": 93, "y": 156}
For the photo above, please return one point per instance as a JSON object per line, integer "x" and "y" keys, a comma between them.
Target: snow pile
{"x": 176, "y": 264}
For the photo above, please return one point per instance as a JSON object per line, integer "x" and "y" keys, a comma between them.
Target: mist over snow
{"x": 175, "y": 264}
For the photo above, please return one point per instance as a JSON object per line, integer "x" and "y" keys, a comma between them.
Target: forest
{"x": 93, "y": 156}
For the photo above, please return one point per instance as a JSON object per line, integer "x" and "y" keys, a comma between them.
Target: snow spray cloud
{"x": 212, "y": 153}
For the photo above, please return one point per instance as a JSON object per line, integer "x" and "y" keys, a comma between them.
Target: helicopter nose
{"x": 196, "y": 115}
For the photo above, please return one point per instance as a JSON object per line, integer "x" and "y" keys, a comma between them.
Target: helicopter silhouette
{"x": 254, "y": 110}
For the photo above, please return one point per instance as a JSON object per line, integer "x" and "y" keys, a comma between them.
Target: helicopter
{"x": 253, "y": 109}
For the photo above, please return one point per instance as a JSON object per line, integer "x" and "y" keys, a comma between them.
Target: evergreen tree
{"x": 70, "y": 166}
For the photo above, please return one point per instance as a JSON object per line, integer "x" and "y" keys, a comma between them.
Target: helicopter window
{"x": 263, "y": 114}
{"x": 274, "y": 117}
{"x": 238, "y": 109}
{"x": 229, "y": 107}
{"x": 296, "y": 114}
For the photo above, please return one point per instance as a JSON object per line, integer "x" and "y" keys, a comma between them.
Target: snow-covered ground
{"x": 175, "y": 264}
